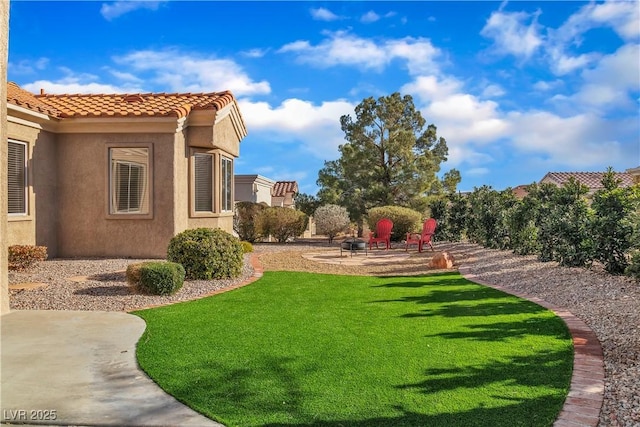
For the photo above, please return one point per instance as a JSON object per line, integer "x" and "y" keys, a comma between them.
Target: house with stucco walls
{"x": 118, "y": 175}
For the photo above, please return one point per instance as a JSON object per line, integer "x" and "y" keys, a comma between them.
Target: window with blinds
{"x": 17, "y": 178}
{"x": 203, "y": 182}
{"x": 227, "y": 184}
{"x": 129, "y": 189}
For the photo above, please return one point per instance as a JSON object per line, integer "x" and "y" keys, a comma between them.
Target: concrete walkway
{"x": 79, "y": 368}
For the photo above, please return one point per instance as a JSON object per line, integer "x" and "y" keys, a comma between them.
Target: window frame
{"x": 226, "y": 184}
{"x": 218, "y": 156}
{"x": 25, "y": 170}
{"x": 112, "y": 211}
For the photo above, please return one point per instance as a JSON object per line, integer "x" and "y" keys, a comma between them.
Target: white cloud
{"x": 514, "y": 33}
{"x": 255, "y": 53}
{"x": 579, "y": 141}
{"x": 622, "y": 16}
{"x": 322, "y": 14}
{"x": 68, "y": 86}
{"x": 493, "y": 91}
{"x": 477, "y": 171}
{"x": 27, "y": 66}
{"x": 369, "y": 17}
{"x": 118, "y": 8}
{"x": 342, "y": 48}
{"x": 544, "y": 86}
{"x": 316, "y": 127}
{"x": 181, "y": 72}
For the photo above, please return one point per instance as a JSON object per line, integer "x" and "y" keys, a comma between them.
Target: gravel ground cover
{"x": 610, "y": 305}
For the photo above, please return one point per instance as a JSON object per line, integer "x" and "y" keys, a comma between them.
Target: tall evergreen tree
{"x": 390, "y": 158}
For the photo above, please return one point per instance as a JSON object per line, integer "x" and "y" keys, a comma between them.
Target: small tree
{"x": 244, "y": 220}
{"x": 565, "y": 227}
{"x": 613, "y": 226}
{"x": 282, "y": 223}
{"x": 331, "y": 220}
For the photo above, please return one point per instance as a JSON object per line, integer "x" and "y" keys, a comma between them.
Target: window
{"x": 227, "y": 184}
{"x": 129, "y": 181}
{"x": 17, "y": 178}
{"x": 203, "y": 182}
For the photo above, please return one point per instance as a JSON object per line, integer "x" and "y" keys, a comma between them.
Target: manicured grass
{"x": 302, "y": 349}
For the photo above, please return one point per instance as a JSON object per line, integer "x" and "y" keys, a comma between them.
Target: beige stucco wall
{"x": 42, "y": 190}
{"x": 4, "y": 51}
{"x": 85, "y": 228}
{"x": 226, "y": 138}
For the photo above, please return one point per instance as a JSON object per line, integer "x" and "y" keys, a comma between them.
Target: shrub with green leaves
{"x": 161, "y": 277}
{"x": 633, "y": 267}
{"x": 207, "y": 253}
{"x": 22, "y": 257}
{"x": 247, "y": 247}
{"x": 487, "y": 217}
{"x": 244, "y": 220}
{"x": 404, "y": 220}
{"x": 565, "y": 227}
{"x": 331, "y": 220}
{"x": 281, "y": 223}
{"x": 133, "y": 275}
{"x": 613, "y": 226}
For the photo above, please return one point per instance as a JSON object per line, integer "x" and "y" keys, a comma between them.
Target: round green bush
{"x": 405, "y": 220}
{"x": 161, "y": 278}
{"x": 207, "y": 253}
{"x": 247, "y": 247}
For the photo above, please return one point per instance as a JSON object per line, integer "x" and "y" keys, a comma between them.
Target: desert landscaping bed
{"x": 609, "y": 305}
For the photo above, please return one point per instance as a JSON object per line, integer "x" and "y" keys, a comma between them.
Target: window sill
{"x": 129, "y": 216}
{"x": 19, "y": 218}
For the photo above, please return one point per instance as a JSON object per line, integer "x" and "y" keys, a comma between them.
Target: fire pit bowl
{"x": 352, "y": 245}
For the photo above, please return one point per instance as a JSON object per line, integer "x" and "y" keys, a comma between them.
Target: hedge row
{"x": 555, "y": 223}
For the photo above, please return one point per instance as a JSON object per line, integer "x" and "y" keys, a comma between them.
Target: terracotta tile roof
{"x": 281, "y": 188}
{"x": 520, "y": 191}
{"x": 119, "y": 105}
{"x": 25, "y": 99}
{"x": 590, "y": 179}
{"x": 141, "y": 105}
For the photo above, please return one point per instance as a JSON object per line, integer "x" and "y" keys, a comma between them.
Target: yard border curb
{"x": 586, "y": 392}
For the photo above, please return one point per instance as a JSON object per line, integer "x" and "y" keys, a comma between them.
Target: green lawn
{"x": 302, "y": 349}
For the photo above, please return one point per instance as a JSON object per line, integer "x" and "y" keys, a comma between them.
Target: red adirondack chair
{"x": 382, "y": 233}
{"x": 428, "y": 228}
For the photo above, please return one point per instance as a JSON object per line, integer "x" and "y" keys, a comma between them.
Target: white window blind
{"x": 129, "y": 180}
{"x": 17, "y": 177}
{"x": 203, "y": 182}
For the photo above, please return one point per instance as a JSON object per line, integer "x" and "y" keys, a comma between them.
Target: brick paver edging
{"x": 583, "y": 403}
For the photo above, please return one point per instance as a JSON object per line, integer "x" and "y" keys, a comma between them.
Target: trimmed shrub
{"x": 282, "y": 223}
{"x": 331, "y": 220}
{"x": 22, "y": 257}
{"x": 161, "y": 278}
{"x": 244, "y": 220}
{"x": 133, "y": 275}
{"x": 405, "y": 220}
{"x": 207, "y": 253}
{"x": 246, "y": 247}
{"x": 633, "y": 268}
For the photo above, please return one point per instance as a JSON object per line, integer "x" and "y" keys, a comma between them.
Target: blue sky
{"x": 517, "y": 88}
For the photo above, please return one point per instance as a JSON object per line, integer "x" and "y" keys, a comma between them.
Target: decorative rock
{"x": 442, "y": 260}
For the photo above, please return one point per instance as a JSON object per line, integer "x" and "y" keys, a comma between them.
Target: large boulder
{"x": 442, "y": 260}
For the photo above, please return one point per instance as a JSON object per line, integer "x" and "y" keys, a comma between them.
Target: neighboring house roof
{"x": 118, "y": 105}
{"x": 282, "y": 188}
{"x": 593, "y": 180}
{"x": 520, "y": 191}
{"x": 22, "y": 98}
